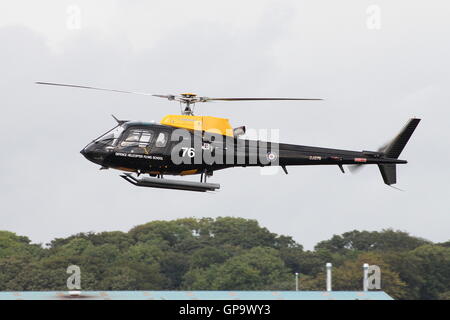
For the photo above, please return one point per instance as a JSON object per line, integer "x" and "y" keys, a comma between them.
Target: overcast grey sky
{"x": 373, "y": 80}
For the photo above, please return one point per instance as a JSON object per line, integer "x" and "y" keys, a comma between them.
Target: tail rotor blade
{"x": 355, "y": 168}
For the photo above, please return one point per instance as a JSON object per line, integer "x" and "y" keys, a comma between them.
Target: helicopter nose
{"x": 86, "y": 153}
{"x": 93, "y": 154}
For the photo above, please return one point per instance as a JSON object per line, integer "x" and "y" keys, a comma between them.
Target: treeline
{"x": 224, "y": 254}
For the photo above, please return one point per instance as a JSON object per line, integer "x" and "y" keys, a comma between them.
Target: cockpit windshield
{"x": 111, "y": 137}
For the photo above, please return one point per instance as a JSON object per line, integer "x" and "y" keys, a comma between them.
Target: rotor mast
{"x": 188, "y": 99}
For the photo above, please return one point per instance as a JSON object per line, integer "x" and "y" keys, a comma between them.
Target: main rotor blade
{"x": 255, "y": 99}
{"x": 181, "y": 98}
{"x": 92, "y": 88}
{"x": 166, "y": 96}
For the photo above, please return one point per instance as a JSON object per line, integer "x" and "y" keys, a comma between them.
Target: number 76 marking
{"x": 190, "y": 152}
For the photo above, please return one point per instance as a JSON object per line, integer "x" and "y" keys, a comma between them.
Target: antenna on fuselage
{"x": 119, "y": 122}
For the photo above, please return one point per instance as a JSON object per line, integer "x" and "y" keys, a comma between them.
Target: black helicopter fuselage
{"x": 157, "y": 150}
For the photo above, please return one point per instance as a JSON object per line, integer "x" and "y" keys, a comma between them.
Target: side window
{"x": 145, "y": 139}
{"x": 161, "y": 141}
{"x": 137, "y": 138}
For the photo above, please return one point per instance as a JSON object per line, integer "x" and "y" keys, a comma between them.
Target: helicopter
{"x": 186, "y": 144}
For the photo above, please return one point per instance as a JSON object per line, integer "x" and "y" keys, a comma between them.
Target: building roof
{"x": 197, "y": 295}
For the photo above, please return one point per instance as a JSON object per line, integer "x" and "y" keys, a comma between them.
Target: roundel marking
{"x": 271, "y": 156}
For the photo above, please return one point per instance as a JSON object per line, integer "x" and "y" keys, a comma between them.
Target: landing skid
{"x": 170, "y": 184}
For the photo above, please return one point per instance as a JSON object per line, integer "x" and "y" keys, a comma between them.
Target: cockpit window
{"x": 137, "y": 137}
{"x": 161, "y": 141}
{"x": 111, "y": 137}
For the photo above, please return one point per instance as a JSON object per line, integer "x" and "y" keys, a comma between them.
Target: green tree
{"x": 241, "y": 232}
{"x": 432, "y": 263}
{"x": 225, "y": 253}
{"x": 14, "y": 245}
{"x": 173, "y": 267}
{"x": 257, "y": 269}
{"x": 386, "y": 240}
{"x": 349, "y": 276}
{"x": 444, "y": 295}
{"x": 133, "y": 276}
{"x": 207, "y": 256}
{"x": 171, "y": 232}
